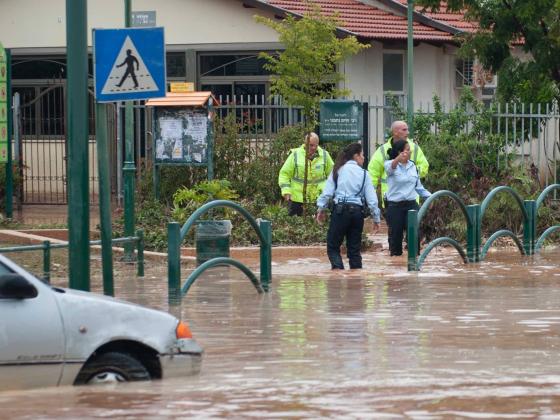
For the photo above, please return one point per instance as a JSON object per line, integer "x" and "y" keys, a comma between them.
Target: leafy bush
{"x": 467, "y": 158}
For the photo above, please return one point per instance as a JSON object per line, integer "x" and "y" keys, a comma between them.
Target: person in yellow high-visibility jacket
{"x": 292, "y": 174}
{"x": 399, "y": 131}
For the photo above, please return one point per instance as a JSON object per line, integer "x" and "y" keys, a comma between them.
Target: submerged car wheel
{"x": 112, "y": 367}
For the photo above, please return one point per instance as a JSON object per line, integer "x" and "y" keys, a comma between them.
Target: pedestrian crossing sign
{"x": 128, "y": 64}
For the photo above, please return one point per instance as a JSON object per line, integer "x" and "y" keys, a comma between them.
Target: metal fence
{"x": 532, "y": 133}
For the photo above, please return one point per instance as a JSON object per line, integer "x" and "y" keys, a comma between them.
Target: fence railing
{"x": 531, "y": 131}
{"x": 47, "y": 246}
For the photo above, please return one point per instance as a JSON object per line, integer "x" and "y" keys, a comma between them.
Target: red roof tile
{"x": 455, "y": 19}
{"x": 365, "y": 20}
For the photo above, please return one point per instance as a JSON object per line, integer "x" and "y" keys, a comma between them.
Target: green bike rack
{"x": 527, "y": 209}
{"x": 414, "y": 219}
{"x": 176, "y": 236}
{"x": 539, "y": 243}
{"x": 474, "y": 214}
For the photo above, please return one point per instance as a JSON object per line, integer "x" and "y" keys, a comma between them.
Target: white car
{"x": 53, "y": 336}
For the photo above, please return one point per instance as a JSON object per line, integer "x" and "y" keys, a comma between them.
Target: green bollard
{"x": 47, "y": 261}
{"x": 530, "y": 227}
{"x": 473, "y": 233}
{"x": 174, "y": 263}
{"x": 266, "y": 254}
{"x": 412, "y": 234}
{"x": 140, "y": 252}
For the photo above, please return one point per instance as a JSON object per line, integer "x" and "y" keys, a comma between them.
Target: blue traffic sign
{"x": 128, "y": 64}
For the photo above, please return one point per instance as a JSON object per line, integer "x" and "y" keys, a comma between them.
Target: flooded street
{"x": 453, "y": 341}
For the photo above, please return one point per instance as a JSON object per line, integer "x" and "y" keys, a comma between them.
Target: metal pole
{"x": 104, "y": 197}
{"x": 210, "y": 136}
{"x": 473, "y": 248}
{"x": 47, "y": 261}
{"x": 266, "y": 254}
{"x": 119, "y": 156}
{"x": 129, "y": 170}
{"x": 365, "y": 133}
{"x": 140, "y": 252}
{"x": 412, "y": 241}
{"x": 174, "y": 263}
{"x": 410, "y": 68}
{"x": 10, "y": 118}
{"x": 77, "y": 105}
{"x": 530, "y": 226}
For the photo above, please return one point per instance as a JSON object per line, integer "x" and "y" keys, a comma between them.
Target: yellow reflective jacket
{"x": 292, "y": 173}
{"x": 377, "y": 170}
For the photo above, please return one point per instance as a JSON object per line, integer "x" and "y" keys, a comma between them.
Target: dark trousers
{"x": 346, "y": 222}
{"x": 397, "y": 214}
{"x": 295, "y": 209}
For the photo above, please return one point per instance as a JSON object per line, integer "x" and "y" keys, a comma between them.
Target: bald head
{"x": 313, "y": 143}
{"x": 399, "y": 130}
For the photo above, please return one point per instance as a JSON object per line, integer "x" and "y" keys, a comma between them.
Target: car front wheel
{"x": 112, "y": 367}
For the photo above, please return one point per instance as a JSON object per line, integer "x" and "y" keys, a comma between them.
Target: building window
{"x": 176, "y": 64}
{"x": 217, "y": 65}
{"x": 393, "y": 72}
{"x": 464, "y": 73}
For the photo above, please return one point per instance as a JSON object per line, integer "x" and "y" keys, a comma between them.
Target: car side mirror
{"x": 15, "y": 286}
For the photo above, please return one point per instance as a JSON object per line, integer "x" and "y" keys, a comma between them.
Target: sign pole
{"x": 129, "y": 169}
{"x": 77, "y": 105}
{"x": 104, "y": 197}
{"x": 410, "y": 69}
{"x": 210, "y": 134}
{"x": 6, "y": 124}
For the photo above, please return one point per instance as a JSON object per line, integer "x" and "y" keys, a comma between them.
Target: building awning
{"x": 191, "y": 99}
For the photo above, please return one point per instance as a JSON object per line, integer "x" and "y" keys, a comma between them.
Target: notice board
{"x": 181, "y": 136}
{"x": 341, "y": 120}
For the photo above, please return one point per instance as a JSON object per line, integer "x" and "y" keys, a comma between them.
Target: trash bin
{"x": 212, "y": 239}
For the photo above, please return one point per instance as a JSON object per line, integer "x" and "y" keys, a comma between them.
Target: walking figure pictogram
{"x": 129, "y": 61}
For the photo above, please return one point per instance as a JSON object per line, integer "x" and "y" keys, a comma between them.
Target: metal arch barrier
{"x": 416, "y": 216}
{"x": 176, "y": 236}
{"x": 474, "y": 214}
{"x": 220, "y": 261}
{"x": 436, "y": 242}
{"x": 545, "y": 234}
{"x": 499, "y": 234}
{"x": 528, "y": 209}
{"x": 540, "y": 242}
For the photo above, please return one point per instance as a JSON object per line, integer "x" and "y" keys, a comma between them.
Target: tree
{"x": 532, "y": 25}
{"x": 305, "y": 71}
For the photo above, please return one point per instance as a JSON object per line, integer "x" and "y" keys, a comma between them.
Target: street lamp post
{"x": 410, "y": 67}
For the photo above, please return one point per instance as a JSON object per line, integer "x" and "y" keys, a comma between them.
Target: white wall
{"x": 42, "y": 24}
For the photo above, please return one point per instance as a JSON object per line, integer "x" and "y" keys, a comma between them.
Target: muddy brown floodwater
{"x": 453, "y": 341}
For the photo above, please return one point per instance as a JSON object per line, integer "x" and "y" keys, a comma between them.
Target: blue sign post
{"x": 129, "y": 64}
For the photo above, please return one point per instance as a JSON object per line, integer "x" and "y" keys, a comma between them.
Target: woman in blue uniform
{"x": 404, "y": 187}
{"x": 350, "y": 187}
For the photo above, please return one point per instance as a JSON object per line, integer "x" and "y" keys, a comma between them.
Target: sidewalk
{"x": 42, "y": 214}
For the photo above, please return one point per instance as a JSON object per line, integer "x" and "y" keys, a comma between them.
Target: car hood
{"x": 91, "y": 320}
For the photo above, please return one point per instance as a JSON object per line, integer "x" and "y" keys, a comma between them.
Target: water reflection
{"x": 452, "y": 341}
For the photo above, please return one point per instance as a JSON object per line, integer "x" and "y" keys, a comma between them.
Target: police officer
{"x": 350, "y": 187}
{"x": 399, "y": 131}
{"x": 403, "y": 189}
{"x": 292, "y": 174}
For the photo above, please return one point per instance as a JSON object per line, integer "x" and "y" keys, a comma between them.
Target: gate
{"x": 40, "y": 151}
